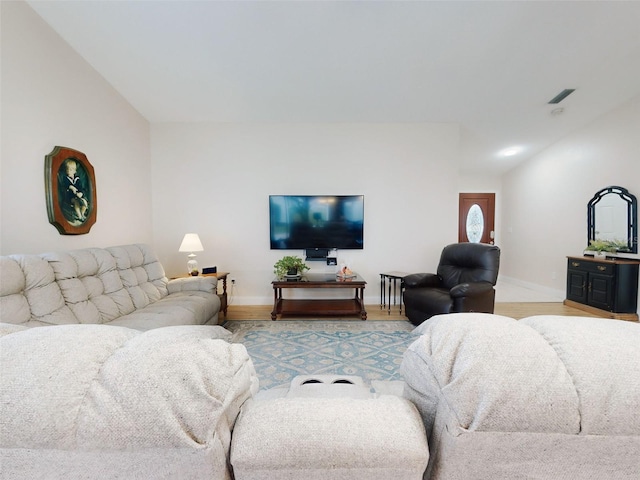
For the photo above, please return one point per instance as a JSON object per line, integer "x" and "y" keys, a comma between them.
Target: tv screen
{"x": 316, "y": 221}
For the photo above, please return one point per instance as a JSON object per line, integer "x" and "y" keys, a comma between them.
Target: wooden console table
{"x": 330, "y": 307}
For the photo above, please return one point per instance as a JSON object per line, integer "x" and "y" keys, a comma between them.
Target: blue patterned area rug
{"x": 283, "y": 349}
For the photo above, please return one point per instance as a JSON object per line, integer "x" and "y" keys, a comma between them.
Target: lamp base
{"x": 192, "y": 265}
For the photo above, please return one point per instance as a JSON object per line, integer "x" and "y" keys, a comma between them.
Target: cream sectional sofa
{"x": 544, "y": 397}
{"x": 106, "y": 402}
{"x": 120, "y": 286}
{"x": 127, "y": 375}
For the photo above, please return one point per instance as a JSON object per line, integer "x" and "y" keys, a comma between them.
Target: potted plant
{"x": 602, "y": 247}
{"x": 289, "y": 265}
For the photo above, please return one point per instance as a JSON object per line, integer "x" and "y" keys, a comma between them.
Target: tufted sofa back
{"x": 92, "y": 285}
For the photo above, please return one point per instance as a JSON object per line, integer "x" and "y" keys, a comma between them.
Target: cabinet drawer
{"x": 593, "y": 267}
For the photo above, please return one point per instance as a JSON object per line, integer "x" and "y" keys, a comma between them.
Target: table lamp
{"x": 191, "y": 243}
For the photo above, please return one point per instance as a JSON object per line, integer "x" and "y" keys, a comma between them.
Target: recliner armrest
{"x": 417, "y": 280}
{"x": 470, "y": 289}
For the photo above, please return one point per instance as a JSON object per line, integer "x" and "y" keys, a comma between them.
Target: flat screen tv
{"x": 316, "y": 221}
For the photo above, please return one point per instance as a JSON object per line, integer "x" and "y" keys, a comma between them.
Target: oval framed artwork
{"x": 70, "y": 185}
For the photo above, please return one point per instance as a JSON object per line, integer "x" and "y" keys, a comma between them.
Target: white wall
{"x": 51, "y": 96}
{"x": 545, "y": 200}
{"x": 215, "y": 179}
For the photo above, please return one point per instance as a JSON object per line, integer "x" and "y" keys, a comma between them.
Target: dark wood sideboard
{"x": 604, "y": 287}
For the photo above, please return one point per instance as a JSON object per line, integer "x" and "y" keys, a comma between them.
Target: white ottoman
{"x": 329, "y": 438}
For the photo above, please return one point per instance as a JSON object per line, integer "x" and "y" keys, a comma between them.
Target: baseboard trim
{"x": 560, "y": 294}
{"x": 629, "y": 317}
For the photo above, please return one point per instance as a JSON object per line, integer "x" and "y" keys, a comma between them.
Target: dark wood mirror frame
{"x": 72, "y": 203}
{"x": 632, "y": 215}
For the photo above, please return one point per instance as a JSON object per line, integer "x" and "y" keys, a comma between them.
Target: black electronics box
{"x": 210, "y": 270}
{"x": 316, "y": 254}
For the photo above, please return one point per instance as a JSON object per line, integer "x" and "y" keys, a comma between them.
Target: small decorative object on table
{"x": 290, "y": 266}
{"x": 345, "y": 272}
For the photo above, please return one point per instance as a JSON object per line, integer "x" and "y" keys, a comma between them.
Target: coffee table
{"x": 316, "y": 306}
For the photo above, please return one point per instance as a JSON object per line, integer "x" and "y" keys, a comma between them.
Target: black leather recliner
{"x": 467, "y": 274}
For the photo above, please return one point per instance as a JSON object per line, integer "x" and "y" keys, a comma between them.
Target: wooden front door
{"x": 476, "y": 218}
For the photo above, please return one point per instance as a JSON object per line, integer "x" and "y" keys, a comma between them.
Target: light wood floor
{"x": 374, "y": 312}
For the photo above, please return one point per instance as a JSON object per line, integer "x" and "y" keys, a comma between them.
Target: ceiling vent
{"x": 562, "y": 95}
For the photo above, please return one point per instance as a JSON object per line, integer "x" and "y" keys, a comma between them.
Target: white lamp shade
{"x": 191, "y": 243}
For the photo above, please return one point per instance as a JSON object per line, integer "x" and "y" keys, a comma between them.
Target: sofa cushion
{"x": 488, "y": 370}
{"x": 94, "y": 388}
{"x": 531, "y": 456}
{"x": 180, "y": 308}
{"x": 29, "y": 293}
{"x": 141, "y": 273}
{"x": 602, "y": 357}
{"x": 90, "y": 284}
{"x": 329, "y": 439}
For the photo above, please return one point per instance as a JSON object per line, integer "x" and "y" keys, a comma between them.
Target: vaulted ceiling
{"x": 490, "y": 67}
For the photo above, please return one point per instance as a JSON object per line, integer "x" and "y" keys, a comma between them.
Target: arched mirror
{"x": 612, "y": 217}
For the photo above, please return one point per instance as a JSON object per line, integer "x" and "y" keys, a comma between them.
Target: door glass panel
{"x": 475, "y": 224}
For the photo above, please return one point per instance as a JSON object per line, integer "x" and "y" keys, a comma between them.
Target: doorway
{"x": 476, "y": 217}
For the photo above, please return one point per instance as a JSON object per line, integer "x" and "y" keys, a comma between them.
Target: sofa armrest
{"x": 197, "y": 284}
{"x": 8, "y": 328}
{"x": 601, "y": 356}
{"x": 418, "y": 280}
{"x": 470, "y": 289}
{"x": 490, "y": 373}
{"x": 98, "y": 387}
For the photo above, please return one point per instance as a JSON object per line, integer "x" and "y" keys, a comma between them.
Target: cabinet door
{"x": 601, "y": 291}
{"x": 625, "y": 291}
{"x": 577, "y": 286}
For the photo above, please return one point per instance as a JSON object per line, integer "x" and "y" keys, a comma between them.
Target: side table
{"x": 223, "y": 296}
{"x": 391, "y": 277}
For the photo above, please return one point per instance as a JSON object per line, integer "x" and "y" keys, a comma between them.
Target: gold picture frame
{"x": 70, "y": 186}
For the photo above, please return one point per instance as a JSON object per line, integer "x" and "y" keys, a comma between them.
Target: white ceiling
{"x": 489, "y": 66}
